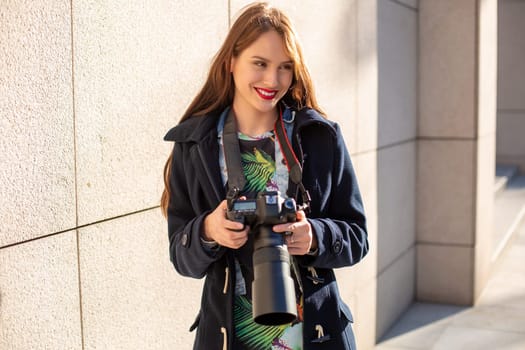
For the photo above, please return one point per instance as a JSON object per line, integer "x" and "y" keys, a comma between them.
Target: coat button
{"x": 336, "y": 247}
{"x": 184, "y": 239}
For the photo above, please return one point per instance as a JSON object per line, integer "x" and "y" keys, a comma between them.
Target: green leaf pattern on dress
{"x": 251, "y": 334}
{"x": 259, "y": 168}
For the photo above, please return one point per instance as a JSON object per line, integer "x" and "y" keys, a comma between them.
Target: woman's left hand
{"x": 300, "y": 239}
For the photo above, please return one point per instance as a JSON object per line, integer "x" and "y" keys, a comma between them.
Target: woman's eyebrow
{"x": 267, "y": 60}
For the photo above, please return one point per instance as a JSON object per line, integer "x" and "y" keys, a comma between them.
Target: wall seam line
{"x": 511, "y": 110}
{"x": 446, "y": 138}
{"x": 402, "y": 4}
{"x": 78, "y": 227}
{"x": 417, "y": 174}
{"x": 398, "y": 258}
{"x": 73, "y": 95}
{"x": 384, "y": 147}
{"x": 476, "y": 155}
{"x": 445, "y": 244}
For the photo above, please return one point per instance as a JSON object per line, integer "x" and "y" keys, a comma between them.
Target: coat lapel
{"x": 202, "y": 132}
{"x": 210, "y": 173}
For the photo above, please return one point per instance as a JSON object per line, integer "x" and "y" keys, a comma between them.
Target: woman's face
{"x": 262, "y": 73}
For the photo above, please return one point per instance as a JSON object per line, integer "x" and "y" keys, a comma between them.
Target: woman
{"x": 257, "y": 80}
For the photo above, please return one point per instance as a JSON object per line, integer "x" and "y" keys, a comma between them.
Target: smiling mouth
{"x": 266, "y": 94}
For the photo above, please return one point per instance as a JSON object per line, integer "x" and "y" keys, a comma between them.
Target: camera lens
{"x": 273, "y": 288}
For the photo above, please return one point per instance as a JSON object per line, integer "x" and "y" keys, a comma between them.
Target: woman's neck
{"x": 254, "y": 124}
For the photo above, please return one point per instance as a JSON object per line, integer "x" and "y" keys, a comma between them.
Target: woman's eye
{"x": 287, "y": 66}
{"x": 260, "y": 63}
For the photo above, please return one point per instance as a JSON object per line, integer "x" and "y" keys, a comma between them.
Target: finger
{"x": 234, "y": 225}
{"x": 242, "y": 239}
{"x": 237, "y": 237}
{"x": 301, "y": 215}
{"x": 223, "y": 205}
{"x": 284, "y": 227}
{"x": 238, "y": 242}
{"x": 234, "y": 241}
{"x": 296, "y": 240}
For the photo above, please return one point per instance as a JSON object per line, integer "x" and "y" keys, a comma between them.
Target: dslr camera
{"x": 273, "y": 290}
{"x": 269, "y": 208}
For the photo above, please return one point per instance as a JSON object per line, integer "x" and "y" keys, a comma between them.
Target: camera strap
{"x": 232, "y": 157}
{"x": 295, "y": 170}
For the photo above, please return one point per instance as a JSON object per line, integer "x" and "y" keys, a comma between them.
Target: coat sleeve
{"x": 340, "y": 227}
{"x": 187, "y": 252}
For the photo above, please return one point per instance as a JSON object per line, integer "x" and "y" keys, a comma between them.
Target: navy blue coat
{"x": 337, "y": 219}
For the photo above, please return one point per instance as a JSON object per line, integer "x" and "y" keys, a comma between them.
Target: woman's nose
{"x": 272, "y": 78}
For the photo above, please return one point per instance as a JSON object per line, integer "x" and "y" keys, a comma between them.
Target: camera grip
{"x": 234, "y": 216}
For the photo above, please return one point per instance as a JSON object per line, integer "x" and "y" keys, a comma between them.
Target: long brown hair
{"x": 218, "y": 90}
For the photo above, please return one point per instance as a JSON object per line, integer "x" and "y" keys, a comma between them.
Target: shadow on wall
{"x": 396, "y": 243}
{"x": 397, "y": 35}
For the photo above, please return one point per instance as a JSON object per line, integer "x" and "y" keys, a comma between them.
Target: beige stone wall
{"x": 456, "y": 138}
{"x": 87, "y": 91}
{"x": 511, "y": 84}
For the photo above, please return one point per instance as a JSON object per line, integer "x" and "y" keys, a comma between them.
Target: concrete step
{"x": 503, "y": 174}
{"x": 509, "y": 211}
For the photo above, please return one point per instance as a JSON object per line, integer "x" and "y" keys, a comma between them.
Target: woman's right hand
{"x": 227, "y": 233}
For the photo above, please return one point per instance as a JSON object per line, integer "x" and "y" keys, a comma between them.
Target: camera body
{"x": 273, "y": 290}
{"x": 269, "y": 208}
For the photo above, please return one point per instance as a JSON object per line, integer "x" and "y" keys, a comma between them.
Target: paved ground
{"x": 496, "y": 322}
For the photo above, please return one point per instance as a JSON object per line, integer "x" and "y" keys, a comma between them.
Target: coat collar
{"x": 307, "y": 117}
{"x": 194, "y": 129}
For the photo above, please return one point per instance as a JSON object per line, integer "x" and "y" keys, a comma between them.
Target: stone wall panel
{"x": 447, "y": 68}
{"x": 37, "y": 169}
{"x": 136, "y": 69}
{"x": 39, "y": 295}
{"x": 397, "y": 71}
{"x": 132, "y": 297}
